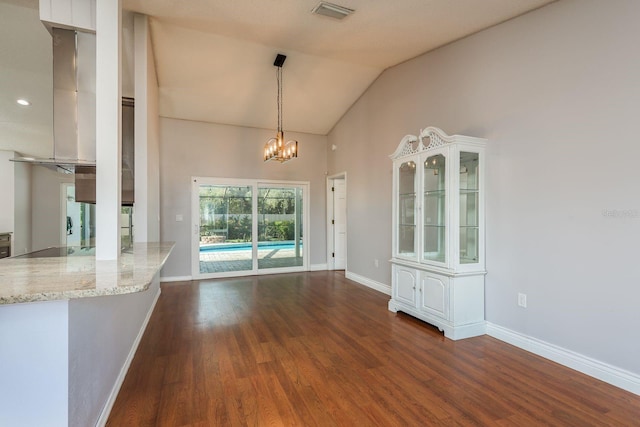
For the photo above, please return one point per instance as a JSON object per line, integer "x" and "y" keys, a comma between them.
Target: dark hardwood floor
{"x": 315, "y": 349}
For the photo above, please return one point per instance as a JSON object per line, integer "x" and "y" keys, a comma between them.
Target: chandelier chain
{"x": 279, "y": 79}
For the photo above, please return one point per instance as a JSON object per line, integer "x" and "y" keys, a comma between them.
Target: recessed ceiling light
{"x": 23, "y": 102}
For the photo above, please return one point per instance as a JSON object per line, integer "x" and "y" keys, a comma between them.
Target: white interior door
{"x": 340, "y": 223}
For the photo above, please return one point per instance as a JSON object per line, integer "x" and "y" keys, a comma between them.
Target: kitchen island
{"x": 69, "y": 327}
{"x": 68, "y": 273}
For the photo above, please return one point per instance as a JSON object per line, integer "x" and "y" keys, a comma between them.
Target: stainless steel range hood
{"x": 74, "y": 117}
{"x": 74, "y": 101}
{"x": 85, "y": 176}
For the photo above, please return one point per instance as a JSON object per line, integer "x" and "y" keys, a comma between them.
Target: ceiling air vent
{"x": 332, "y": 10}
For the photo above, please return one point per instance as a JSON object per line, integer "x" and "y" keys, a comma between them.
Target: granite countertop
{"x": 25, "y": 279}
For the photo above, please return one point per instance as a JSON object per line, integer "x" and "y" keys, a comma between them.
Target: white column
{"x": 108, "y": 128}
{"x": 141, "y": 211}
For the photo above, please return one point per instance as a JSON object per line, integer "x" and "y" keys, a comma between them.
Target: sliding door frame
{"x": 255, "y": 184}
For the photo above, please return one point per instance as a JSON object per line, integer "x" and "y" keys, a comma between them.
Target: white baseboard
{"x": 176, "y": 279}
{"x": 318, "y": 267}
{"x": 380, "y": 287}
{"x": 610, "y": 374}
{"x": 106, "y": 411}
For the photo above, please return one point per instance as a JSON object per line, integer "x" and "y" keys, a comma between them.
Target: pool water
{"x": 228, "y": 247}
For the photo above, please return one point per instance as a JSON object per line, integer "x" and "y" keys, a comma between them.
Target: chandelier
{"x": 275, "y": 148}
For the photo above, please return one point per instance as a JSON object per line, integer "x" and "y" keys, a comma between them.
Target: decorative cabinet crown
{"x": 430, "y": 137}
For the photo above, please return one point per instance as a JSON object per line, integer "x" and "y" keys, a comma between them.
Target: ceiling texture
{"x": 214, "y": 58}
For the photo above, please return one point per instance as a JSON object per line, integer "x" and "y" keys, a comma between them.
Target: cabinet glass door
{"x": 469, "y": 208}
{"x": 406, "y": 209}
{"x": 435, "y": 209}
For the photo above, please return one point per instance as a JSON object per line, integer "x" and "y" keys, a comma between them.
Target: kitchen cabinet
{"x": 5, "y": 245}
{"x": 79, "y": 14}
{"x": 438, "y": 237}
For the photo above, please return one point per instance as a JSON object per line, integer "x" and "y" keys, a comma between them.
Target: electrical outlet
{"x": 376, "y": 263}
{"x": 522, "y": 300}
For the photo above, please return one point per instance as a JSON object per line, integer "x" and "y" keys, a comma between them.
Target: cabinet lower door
{"x": 435, "y": 294}
{"x": 405, "y": 283}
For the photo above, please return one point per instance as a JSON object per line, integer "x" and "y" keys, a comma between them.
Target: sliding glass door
{"x": 244, "y": 227}
{"x": 225, "y": 228}
{"x": 280, "y": 227}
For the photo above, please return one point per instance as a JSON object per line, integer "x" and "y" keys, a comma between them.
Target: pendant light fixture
{"x": 275, "y": 148}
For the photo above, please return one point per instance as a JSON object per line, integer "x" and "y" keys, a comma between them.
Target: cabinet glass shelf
{"x": 469, "y": 207}
{"x": 434, "y": 209}
{"x": 406, "y": 209}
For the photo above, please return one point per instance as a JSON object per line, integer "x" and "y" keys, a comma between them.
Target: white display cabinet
{"x": 438, "y": 264}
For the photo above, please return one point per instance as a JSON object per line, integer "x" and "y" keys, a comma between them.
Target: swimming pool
{"x": 228, "y": 247}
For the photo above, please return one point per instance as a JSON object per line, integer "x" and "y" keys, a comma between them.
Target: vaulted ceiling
{"x": 214, "y": 58}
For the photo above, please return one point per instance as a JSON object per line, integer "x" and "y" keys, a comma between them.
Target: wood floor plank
{"x": 315, "y": 349}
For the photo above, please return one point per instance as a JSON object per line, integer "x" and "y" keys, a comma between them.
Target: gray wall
{"x": 15, "y": 200}
{"x": 7, "y": 190}
{"x": 46, "y": 206}
{"x": 102, "y": 333}
{"x": 147, "y": 155}
{"x": 189, "y": 148}
{"x": 22, "y": 208}
{"x": 557, "y": 94}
